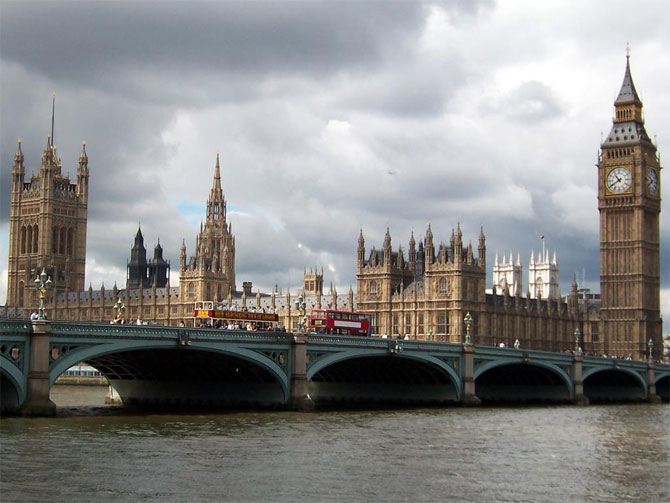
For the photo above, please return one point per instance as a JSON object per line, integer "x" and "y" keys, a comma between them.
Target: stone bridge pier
{"x": 37, "y": 401}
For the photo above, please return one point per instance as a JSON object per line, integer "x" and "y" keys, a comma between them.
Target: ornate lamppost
{"x": 650, "y": 345}
{"x": 578, "y": 335}
{"x": 43, "y": 285}
{"x": 119, "y": 309}
{"x": 301, "y": 306}
{"x": 468, "y": 324}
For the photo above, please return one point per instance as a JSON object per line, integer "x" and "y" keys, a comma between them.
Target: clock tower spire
{"x": 630, "y": 204}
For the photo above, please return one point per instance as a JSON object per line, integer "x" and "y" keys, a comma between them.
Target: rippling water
{"x": 599, "y": 453}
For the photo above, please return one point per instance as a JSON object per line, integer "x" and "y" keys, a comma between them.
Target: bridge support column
{"x": 37, "y": 401}
{"x": 300, "y": 399}
{"x": 578, "y": 397}
{"x": 652, "y": 397}
{"x": 468, "y": 396}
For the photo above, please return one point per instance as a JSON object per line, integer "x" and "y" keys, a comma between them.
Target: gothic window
{"x": 29, "y": 239}
{"x": 216, "y": 210}
{"x": 442, "y": 324}
{"x": 208, "y": 291}
{"x": 420, "y": 327}
{"x": 539, "y": 290}
{"x": 443, "y": 285}
{"x": 191, "y": 290}
{"x": 61, "y": 242}
{"x": 373, "y": 288}
{"x": 70, "y": 242}
{"x": 54, "y": 240}
{"x": 21, "y": 287}
{"x": 408, "y": 324}
{"x": 22, "y": 239}
{"x": 395, "y": 324}
{"x": 36, "y": 234}
{"x": 594, "y": 331}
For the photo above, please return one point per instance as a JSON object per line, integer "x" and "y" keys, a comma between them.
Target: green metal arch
{"x": 660, "y": 375}
{"x": 16, "y": 377}
{"x": 331, "y": 359}
{"x": 116, "y": 347}
{"x": 515, "y": 361}
{"x": 630, "y": 372}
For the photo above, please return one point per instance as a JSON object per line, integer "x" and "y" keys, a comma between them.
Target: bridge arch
{"x": 360, "y": 375}
{"x": 610, "y": 384}
{"x": 662, "y": 383}
{"x": 515, "y": 380}
{"x": 12, "y": 390}
{"x": 221, "y": 370}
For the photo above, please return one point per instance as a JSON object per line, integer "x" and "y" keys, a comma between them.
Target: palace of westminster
{"x": 424, "y": 294}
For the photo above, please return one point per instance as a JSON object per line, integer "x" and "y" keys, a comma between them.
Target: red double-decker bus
{"x": 330, "y": 321}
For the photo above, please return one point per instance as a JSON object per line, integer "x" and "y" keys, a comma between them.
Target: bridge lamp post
{"x": 301, "y": 306}
{"x": 42, "y": 284}
{"x": 578, "y": 335}
{"x": 650, "y": 345}
{"x": 468, "y": 324}
{"x": 119, "y": 309}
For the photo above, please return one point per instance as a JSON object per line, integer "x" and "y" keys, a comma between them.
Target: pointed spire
{"x": 495, "y": 262}
{"x": 387, "y": 240}
{"x": 627, "y": 93}
{"x": 83, "y": 157}
{"x": 217, "y": 173}
{"x": 18, "y": 157}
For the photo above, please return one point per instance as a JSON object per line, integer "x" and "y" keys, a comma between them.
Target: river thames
{"x": 598, "y": 453}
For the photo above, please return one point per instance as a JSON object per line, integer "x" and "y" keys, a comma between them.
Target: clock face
{"x": 652, "y": 181}
{"x": 618, "y": 180}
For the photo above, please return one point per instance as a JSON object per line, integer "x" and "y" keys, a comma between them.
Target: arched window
{"x": 54, "y": 240}
{"x": 443, "y": 285}
{"x": 373, "y": 288}
{"x": 22, "y": 239}
{"x": 70, "y": 241}
{"x": 36, "y": 235}
{"x": 539, "y": 288}
{"x": 191, "y": 290}
{"x": 62, "y": 241}
{"x": 29, "y": 239}
{"x": 21, "y": 289}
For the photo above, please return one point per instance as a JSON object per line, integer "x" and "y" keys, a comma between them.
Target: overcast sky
{"x": 330, "y": 117}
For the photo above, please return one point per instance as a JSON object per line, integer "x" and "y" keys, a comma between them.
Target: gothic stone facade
{"x": 428, "y": 295}
{"x": 431, "y": 293}
{"x": 629, "y": 200}
{"x": 47, "y": 227}
{"x": 50, "y": 201}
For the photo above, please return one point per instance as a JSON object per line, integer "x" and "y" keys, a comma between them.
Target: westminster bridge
{"x": 184, "y": 367}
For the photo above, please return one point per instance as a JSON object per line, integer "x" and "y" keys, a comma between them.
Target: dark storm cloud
{"x": 87, "y": 40}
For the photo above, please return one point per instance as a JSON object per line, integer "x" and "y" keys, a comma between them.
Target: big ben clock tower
{"x": 629, "y": 201}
